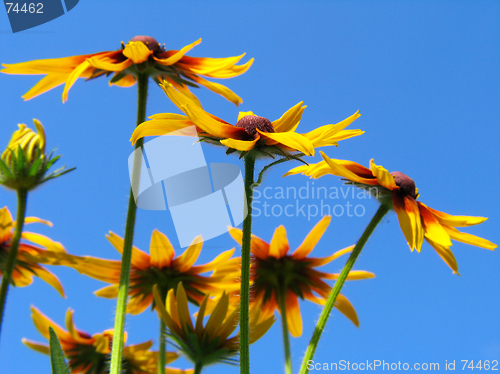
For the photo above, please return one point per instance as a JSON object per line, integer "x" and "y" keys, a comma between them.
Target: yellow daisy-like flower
{"x": 417, "y": 220}
{"x": 275, "y": 273}
{"x": 160, "y": 268}
{"x": 32, "y": 143}
{"x": 88, "y": 354}
{"x": 205, "y": 345}
{"x": 29, "y": 256}
{"x": 249, "y": 132}
{"x": 142, "y": 54}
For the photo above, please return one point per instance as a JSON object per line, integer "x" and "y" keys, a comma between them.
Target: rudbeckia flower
{"x": 275, "y": 272}
{"x": 29, "y": 256}
{"x": 205, "y": 345}
{"x": 88, "y": 354}
{"x": 142, "y": 54}
{"x": 417, "y": 220}
{"x": 160, "y": 268}
{"x": 250, "y": 131}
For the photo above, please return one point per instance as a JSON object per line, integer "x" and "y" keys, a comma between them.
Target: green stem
{"x": 286, "y": 334}
{"x": 163, "y": 348}
{"x": 22, "y": 198}
{"x": 330, "y": 302}
{"x": 121, "y": 301}
{"x": 245, "y": 267}
{"x": 197, "y": 368}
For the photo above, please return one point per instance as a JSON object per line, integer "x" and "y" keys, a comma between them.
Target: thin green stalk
{"x": 121, "y": 301}
{"x": 162, "y": 361}
{"x": 22, "y": 199}
{"x": 245, "y": 267}
{"x": 286, "y": 334}
{"x": 197, "y": 368}
{"x": 330, "y": 302}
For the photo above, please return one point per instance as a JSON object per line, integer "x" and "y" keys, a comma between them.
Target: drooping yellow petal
{"x": 126, "y": 81}
{"x": 139, "y": 303}
{"x": 45, "y": 84}
{"x": 353, "y": 275}
{"x": 409, "y": 220}
{"x": 39, "y": 347}
{"x": 469, "y": 238}
{"x": 290, "y": 119}
{"x": 432, "y": 227}
{"x": 219, "y": 260}
{"x": 185, "y": 261}
{"x": 279, "y": 243}
{"x": 42, "y": 324}
{"x": 291, "y": 140}
{"x": 159, "y": 127}
{"x": 177, "y": 55}
{"x": 161, "y": 250}
{"x": 446, "y": 254}
{"x": 324, "y": 135}
{"x": 293, "y": 317}
{"x": 139, "y": 258}
{"x": 219, "y": 89}
{"x": 160, "y": 307}
{"x": 108, "y": 292}
{"x": 109, "y": 64}
{"x": 312, "y": 238}
{"x": 383, "y": 177}
{"x": 75, "y": 74}
{"x": 48, "y": 277}
{"x": 179, "y": 98}
{"x": 28, "y": 220}
{"x": 137, "y": 52}
{"x": 240, "y": 145}
{"x": 345, "y": 307}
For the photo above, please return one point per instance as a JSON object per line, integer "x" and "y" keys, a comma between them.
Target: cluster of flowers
{"x": 166, "y": 282}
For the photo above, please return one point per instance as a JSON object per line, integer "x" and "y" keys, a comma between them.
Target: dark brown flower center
{"x": 251, "y": 123}
{"x": 405, "y": 183}
{"x": 150, "y": 42}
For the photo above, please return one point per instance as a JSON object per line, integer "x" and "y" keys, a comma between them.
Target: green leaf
{"x": 35, "y": 167}
{"x": 5, "y": 170}
{"x": 57, "y": 355}
{"x": 51, "y": 162}
{"x": 21, "y": 161}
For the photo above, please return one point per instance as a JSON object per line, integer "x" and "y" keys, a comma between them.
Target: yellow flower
{"x": 417, "y": 220}
{"x": 29, "y": 256}
{"x": 205, "y": 345}
{"x": 24, "y": 164}
{"x": 249, "y": 132}
{"x": 142, "y": 54}
{"x": 31, "y": 143}
{"x": 159, "y": 268}
{"x": 90, "y": 354}
{"x": 275, "y": 273}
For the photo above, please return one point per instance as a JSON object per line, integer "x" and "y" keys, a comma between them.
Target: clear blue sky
{"x": 425, "y": 77}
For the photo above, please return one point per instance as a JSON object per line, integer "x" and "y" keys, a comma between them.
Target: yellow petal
{"x": 259, "y": 247}
{"x": 219, "y": 89}
{"x": 432, "y": 227}
{"x": 185, "y": 261}
{"x": 219, "y": 260}
{"x": 180, "y": 99}
{"x": 45, "y": 84}
{"x": 240, "y": 145}
{"x": 198, "y": 329}
{"x": 345, "y": 307}
{"x": 217, "y": 317}
{"x": 290, "y": 119}
{"x": 139, "y": 258}
{"x": 43, "y": 241}
{"x": 279, "y": 243}
{"x": 177, "y": 55}
{"x": 126, "y": 81}
{"x": 383, "y": 177}
{"x": 161, "y": 250}
{"x": 456, "y": 221}
{"x": 293, "y": 316}
{"x": 468, "y": 238}
{"x": 312, "y": 238}
{"x": 139, "y": 303}
{"x": 42, "y": 348}
{"x": 182, "y": 308}
{"x": 75, "y": 74}
{"x": 446, "y": 254}
{"x": 158, "y": 127}
{"x": 409, "y": 220}
{"x": 42, "y": 324}
{"x": 354, "y": 275}
{"x": 349, "y": 170}
{"x": 48, "y": 277}
{"x": 291, "y": 140}
{"x": 109, "y": 64}
{"x": 212, "y": 126}
{"x": 243, "y": 114}
{"x": 137, "y": 52}
{"x": 108, "y": 292}
{"x": 229, "y": 325}
{"x": 160, "y": 307}
{"x": 314, "y": 262}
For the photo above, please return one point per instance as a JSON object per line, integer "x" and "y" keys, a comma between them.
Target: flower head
{"x": 205, "y": 345}
{"x": 24, "y": 163}
{"x": 142, "y": 54}
{"x": 160, "y": 268}
{"x": 417, "y": 220}
{"x": 90, "y": 354}
{"x": 276, "y": 273}
{"x": 250, "y": 132}
{"x": 29, "y": 256}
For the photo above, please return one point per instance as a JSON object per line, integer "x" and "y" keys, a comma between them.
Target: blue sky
{"x": 425, "y": 77}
